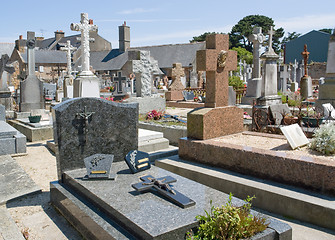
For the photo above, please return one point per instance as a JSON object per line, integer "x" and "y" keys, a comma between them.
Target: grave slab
{"x": 146, "y": 216}
{"x": 294, "y": 135}
{"x": 14, "y": 181}
{"x": 6, "y": 131}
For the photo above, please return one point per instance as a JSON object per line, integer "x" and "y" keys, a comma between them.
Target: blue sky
{"x": 154, "y": 22}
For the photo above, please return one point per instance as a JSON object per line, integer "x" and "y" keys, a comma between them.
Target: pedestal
{"x": 86, "y": 85}
{"x": 206, "y": 123}
{"x": 306, "y": 87}
{"x": 253, "y": 91}
{"x": 174, "y": 95}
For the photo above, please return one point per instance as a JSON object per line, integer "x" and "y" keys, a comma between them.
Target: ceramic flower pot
{"x": 35, "y": 119}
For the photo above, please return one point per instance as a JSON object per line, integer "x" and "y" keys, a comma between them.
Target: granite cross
{"x": 177, "y": 73}
{"x": 85, "y": 26}
{"x": 31, "y": 52}
{"x": 68, "y": 48}
{"x": 119, "y": 79}
{"x": 305, "y": 54}
{"x": 161, "y": 185}
{"x": 217, "y": 60}
{"x": 271, "y": 32}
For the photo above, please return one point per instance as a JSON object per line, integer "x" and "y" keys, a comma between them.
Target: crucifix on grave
{"x": 305, "y": 55}
{"x": 68, "y": 79}
{"x": 86, "y": 83}
{"x": 217, "y": 60}
{"x": 85, "y": 116}
{"x": 162, "y": 187}
{"x": 85, "y": 26}
{"x": 119, "y": 80}
{"x": 306, "y": 90}
{"x": 217, "y": 118}
{"x": 270, "y": 32}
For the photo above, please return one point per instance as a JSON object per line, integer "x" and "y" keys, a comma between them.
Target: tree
{"x": 326, "y": 30}
{"x": 290, "y": 36}
{"x": 243, "y": 54}
{"x": 239, "y": 34}
{"x": 202, "y": 37}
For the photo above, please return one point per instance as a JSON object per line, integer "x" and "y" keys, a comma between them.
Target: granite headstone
{"x": 86, "y": 126}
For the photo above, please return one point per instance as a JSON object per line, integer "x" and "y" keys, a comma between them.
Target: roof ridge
{"x": 163, "y": 45}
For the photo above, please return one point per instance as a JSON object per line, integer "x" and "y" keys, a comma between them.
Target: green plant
{"x": 324, "y": 139}
{"x": 228, "y": 222}
{"x": 236, "y": 82}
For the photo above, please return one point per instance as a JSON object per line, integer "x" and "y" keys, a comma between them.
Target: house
{"x": 317, "y": 45}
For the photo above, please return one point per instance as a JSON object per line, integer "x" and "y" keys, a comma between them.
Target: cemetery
{"x": 177, "y": 141}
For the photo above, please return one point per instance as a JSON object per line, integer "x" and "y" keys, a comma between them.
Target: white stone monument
{"x": 254, "y": 85}
{"x": 86, "y": 84}
{"x": 269, "y": 94}
{"x": 68, "y": 79}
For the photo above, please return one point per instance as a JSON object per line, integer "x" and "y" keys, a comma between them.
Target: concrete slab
{"x": 14, "y": 181}
{"x": 6, "y": 131}
{"x": 33, "y": 133}
{"x": 8, "y": 228}
{"x": 146, "y": 135}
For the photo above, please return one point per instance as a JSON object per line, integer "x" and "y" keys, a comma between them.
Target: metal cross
{"x": 85, "y": 115}
{"x": 161, "y": 185}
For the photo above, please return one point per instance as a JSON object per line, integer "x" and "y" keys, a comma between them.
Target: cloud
{"x": 304, "y": 24}
{"x": 138, "y": 10}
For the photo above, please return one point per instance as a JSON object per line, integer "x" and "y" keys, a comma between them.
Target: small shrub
{"x": 229, "y": 222}
{"x": 236, "y": 82}
{"x": 324, "y": 139}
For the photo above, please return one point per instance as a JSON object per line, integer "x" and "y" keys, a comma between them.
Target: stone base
{"x": 114, "y": 210}
{"x": 33, "y": 133}
{"x": 248, "y": 100}
{"x": 174, "y": 96}
{"x": 86, "y": 85}
{"x": 306, "y": 87}
{"x": 147, "y": 104}
{"x": 184, "y": 104}
{"x": 206, "y": 123}
{"x": 11, "y": 140}
{"x": 6, "y": 99}
{"x": 269, "y": 100}
{"x": 27, "y": 107}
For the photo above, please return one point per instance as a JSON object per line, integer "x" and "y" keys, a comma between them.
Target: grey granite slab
{"x": 110, "y": 128}
{"x": 20, "y": 143}
{"x": 6, "y": 130}
{"x": 2, "y": 113}
{"x": 147, "y": 215}
{"x": 7, "y": 146}
{"x": 14, "y": 181}
{"x": 35, "y": 125}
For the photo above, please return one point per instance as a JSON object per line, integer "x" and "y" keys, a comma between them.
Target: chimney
{"x": 59, "y": 35}
{"x": 20, "y": 44}
{"x": 124, "y": 37}
{"x": 90, "y": 21}
{"x": 20, "y": 37}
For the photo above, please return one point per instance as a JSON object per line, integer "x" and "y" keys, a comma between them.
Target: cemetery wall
{"x": 317, "y": 70}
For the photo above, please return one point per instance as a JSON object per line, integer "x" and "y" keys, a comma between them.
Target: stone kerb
{"x": 109, "y": 128}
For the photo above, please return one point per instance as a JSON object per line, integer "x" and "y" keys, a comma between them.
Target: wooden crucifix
{"x": 305, "y": 55}
{"x": 217, "y": 60}
{"x": 161, "y": 186}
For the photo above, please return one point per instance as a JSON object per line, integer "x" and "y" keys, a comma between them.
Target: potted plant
{"x": 34, "y": 119}
{"x": 312, "y": 117}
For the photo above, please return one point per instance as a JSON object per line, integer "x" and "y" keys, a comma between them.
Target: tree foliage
{"x": 202, "y": 37}
{"x": 290, "y": 36}
{"x": 326, "y": 30}
{"x": 243, "y": 29}
{"x": 243, "y": 54}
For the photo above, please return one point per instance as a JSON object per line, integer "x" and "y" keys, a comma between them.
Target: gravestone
{"x": 306, "y": 81}
{"x": 6, "y": 70}
{"x": 217, "y": 60}
{"x": 294, "y": 135}
{"x": 68, "y": 79}
{"x": 327, "y": 90}
{"x": 176, "y": 87}
{"x": 278, "y": 112}
{"x": 269, "y": 94}
{"x": 294, "y": 84}
{"x": 99, "y": 166}
{"x": 87, "y": 126}
{"x": 119, "y": 81}
{"x": 254, "y": 84}
{"x": 31, "y": 89}
{"x": 86, "y": 84}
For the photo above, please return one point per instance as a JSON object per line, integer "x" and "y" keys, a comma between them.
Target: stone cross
{"x": 85, "y": 26}
{"x": 240, "y": 65}
{"x": 270, "y": 32}
{"x": 217, "y": 60}
{"x": 5, "y": 67}
{"x": 31, "y": 52}
{"x": 177, "y": 73}
{"x": 68, "y": 48}
{"x": 257, "y": 38}
{"x": 119, "y": 79}
{"x": 295, "y": 66}
{"x": 305, "y": 54}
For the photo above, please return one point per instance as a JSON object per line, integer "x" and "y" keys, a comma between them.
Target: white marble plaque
{"x": 294, "y": 135}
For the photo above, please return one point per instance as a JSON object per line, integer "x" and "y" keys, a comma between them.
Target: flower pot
{"x": 312, "y": 122}
{"x": 34, "y": 119}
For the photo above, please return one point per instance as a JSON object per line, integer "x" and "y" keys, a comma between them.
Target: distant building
{"x": 317, "y": 45}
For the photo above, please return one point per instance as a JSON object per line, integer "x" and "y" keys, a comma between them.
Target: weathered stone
{"x": 86, "y": 126}
{"x": 2, "y": 113}
{"x": 278, "y": 111}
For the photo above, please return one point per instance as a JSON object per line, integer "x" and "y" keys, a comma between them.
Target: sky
{"x": 154, "y": 22}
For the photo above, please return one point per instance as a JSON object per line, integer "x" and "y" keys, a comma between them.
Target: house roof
{"x": 166, "y": 55}
{"x": 49, "y": 42}
{"x": 47, "y": 56}
{"x": 317, "y": 45}
{"x": 6, "y": 48}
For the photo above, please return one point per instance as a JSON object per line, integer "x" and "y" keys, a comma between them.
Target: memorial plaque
{"x": 294, "y": 135}
{"x": 137, "y": 161}
{"x": 188, "y": 96}
{"x": 161, "y": 185}
{"x": 99, "y": 166}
